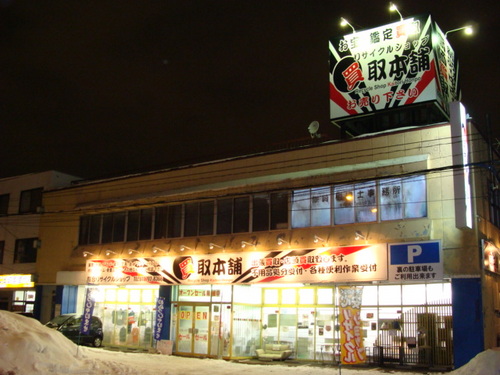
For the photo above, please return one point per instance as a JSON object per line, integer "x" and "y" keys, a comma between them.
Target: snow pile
{"x": 27, "y": 348}
{"x": 485, "y": 363}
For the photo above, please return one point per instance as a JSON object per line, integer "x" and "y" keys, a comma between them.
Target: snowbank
{"x": 27, "y": 347}
{"x": 485, "y": 363}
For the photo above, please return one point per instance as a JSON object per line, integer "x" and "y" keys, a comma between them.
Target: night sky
{"x": 97, "y": 88}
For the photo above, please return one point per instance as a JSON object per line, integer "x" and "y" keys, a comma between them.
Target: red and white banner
{"x": 319, "y": 265}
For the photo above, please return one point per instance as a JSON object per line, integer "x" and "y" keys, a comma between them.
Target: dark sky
{"x": 104, "y": 87}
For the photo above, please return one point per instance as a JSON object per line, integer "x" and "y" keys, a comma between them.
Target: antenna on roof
{"x": 313, "y": 129}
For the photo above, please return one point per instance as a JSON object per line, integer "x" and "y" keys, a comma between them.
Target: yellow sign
{"x": 352, "y": 350}
{"x": 16, "y": 281}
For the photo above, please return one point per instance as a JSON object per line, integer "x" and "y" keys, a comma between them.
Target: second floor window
{"x": 30, "y": 201}
{"x": 26, "y": 250}
{"x": 4, "y": 204}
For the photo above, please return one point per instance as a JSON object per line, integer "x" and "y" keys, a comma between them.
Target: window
{"x": 279, "y": 210}
{"x": 168, "y": 221}
{"x": 26, "y": 250}
{"x": 199, "y": 218}
{"x": 2, "y": 248}
{"x": 233, "y": 215}
{"x": 260, "y": 212}
{"x": 30, "y": 201}
{"x": 140, "y": 224}
{"x": 4, "y": 204}
{"x": 356, "y": 203}
{"x": 311, "y": 207}
{"x": 113, "y": 227}
{"x": 403, "y": 198}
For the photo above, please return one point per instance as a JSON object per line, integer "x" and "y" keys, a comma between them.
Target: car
{"x": 69, "y": 326}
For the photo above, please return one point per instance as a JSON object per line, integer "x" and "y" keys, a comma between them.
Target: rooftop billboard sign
{"x": 394, "y": 65}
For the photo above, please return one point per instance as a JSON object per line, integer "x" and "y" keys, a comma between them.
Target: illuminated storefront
{"x": 18, "y": 292}
{"x": 229, "y": 304}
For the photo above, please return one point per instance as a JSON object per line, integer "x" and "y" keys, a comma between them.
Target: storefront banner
{"x": 351, "y": 340}
{"x": 16, "y": 281}
{"x": 160, "y": 314}
{"x": 88, "y": 311}
{"x": 325, "y": 264}
{"x": 402, "y": 63}
{"x": 416, "y": 261}
{"x": 491, "y": 256}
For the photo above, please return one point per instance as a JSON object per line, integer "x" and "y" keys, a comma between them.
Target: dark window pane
{"x": 133, "y": 225}
{"x": 146, "y": 224}
{"x": 174, "y": 228}
{"x": 279, "y": 210}
{"x": 95, "y": 229}
{"x": 83, "y": 237}
{"x": 30, "y": 200}
{"x": 161, "y": 222}
{"x": 260, "y": 217}
{"x": 119, "y": 226}
{"x": 206, "y": 218}
{"x": 224, "y": 215}
{"x": 2, "y": 247}
{"x": 241, "y": 214}
{"x": 191, "y": 220}
{"x": 4, "y": 204}
{"x": 25, "y": 251}
{"x": 107, "y": 228}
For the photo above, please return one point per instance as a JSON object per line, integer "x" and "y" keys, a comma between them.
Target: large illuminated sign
{"x": 394, "y": 65}
{"x": 325, "y": 264}
{"x": 16, "y": 281}
{"x": 461, "y": 172}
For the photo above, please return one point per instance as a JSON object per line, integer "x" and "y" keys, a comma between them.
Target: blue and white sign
{"x": 416, "y": 261}
{"x": 88, "y": 310}
{"x": 160, "y": 314}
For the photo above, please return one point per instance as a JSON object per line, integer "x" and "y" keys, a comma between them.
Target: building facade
{"x": 223, "y": 258}
{"x": 20, "y": 211}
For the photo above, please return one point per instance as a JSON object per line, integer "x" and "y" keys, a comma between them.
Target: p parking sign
{"x": 416, "y": 261}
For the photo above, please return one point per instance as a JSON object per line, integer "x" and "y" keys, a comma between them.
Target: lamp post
{"x": 344, "y": 22}
{"x": 467, "y": 29}
{"x": 394, "y": 8}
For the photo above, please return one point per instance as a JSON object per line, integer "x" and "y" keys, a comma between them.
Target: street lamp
{"x": 394, "y": 8}
{"x": 344, "y": 22}
{"x": 468, "y": 30}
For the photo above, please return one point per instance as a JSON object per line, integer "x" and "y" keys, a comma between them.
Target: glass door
{"x": 193, "y": 329}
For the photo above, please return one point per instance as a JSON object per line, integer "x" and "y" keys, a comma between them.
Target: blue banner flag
{"x": 87, "y": 313}
{"x": 160, "y": 314}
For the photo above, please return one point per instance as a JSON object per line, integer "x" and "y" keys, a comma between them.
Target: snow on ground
{"x": 27, "y": 347}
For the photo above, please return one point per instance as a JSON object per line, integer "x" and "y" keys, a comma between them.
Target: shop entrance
{"x": 193, "y": 322}
{"x": 202, "y": 329}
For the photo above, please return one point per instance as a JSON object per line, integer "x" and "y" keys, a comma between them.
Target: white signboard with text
{"x": 319, "y": 265}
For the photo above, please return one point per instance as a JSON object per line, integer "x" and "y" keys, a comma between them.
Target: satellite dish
{"x": 313, "y": 129}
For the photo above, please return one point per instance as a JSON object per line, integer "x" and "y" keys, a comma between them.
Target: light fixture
{"x": 212, "y": 245}
{"x": 344, "y": 22}
{"x": 281, "y": 241}
{"x": 359, "y": 236}
{"x": 318, "y": 239}
{"x": 87, "y": 253}
{"x": 109, "y": 252}
{"x": 394, "y": 8}
{"x": 157, "y": 249}
{"x": 374, "y": 210}
{"x": 184, "y": 247}
{"x": 468, "y": 30}
{"x": 131, "y": 251}
{"x": 349, "y": 197}
{"x": 245, "y": 244}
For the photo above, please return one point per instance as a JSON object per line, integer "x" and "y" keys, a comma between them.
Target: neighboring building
{"x": 20, "y": 211}
{"x": 257, "y": 249}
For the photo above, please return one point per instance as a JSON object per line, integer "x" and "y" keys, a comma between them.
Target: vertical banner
{"x": 351, "y": 340}
{"x": 160, "y": 314}
{"x": 87, "y": 312}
